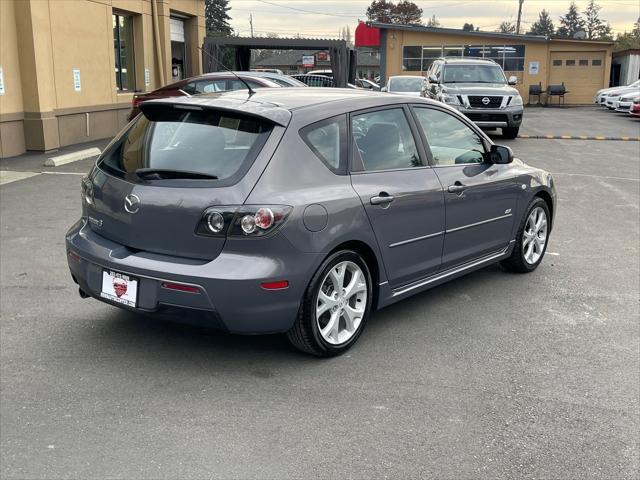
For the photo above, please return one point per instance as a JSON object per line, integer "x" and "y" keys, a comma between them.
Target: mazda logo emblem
{"x": 132, "y": 203}
{"x": 486, "y": 101}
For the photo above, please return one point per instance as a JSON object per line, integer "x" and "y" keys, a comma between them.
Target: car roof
{"x": 277, "y": 104}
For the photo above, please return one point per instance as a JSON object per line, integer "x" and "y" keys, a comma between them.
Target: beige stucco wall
{"x": 58, "y": 36}
{"x": 534, "y": 51}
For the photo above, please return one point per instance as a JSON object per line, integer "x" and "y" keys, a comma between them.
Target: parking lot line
{"x": 579, "y": 137}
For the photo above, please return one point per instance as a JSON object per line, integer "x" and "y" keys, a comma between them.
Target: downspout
{"x": 156, "y": 35}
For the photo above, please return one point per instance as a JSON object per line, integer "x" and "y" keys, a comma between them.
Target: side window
{"x": 238, "y": 85}
{"x": 450, "y": 140}
{"x": 384, "y": 140}
{"x": 328, "y": 140}
{"x": 438, "y": 71}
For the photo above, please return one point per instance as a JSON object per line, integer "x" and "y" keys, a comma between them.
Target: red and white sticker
{"x": 119, "y": 287}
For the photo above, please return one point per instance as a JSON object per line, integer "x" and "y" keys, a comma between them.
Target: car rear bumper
{"x": 494, "y": 117}
{"x": 230, "y": 296}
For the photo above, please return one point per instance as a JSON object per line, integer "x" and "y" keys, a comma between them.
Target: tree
{"x": 468, "y": 27}
{"x": 433, "y": 22}
{"x": 571, "y": 23}
{"x": 380, "y": 11}
{"x": 345, "y": 34}
{"x": 506, "y": 27}
{"x": 406, "y": 12}
{"x": 543, "y": 26}
{"x": 596, "y": 28}
{"x": 216, "y": 17}
{"x": 628, "y": 40}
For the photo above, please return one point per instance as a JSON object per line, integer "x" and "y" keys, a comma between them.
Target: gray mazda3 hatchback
{"x": 300, "y": 210}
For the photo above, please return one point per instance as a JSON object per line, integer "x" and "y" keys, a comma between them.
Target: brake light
{"x": 180, "y": 287}
{"x": 279, "y": 285}
{"x": 137, "y": 100}
{"x": 244, "y": 221}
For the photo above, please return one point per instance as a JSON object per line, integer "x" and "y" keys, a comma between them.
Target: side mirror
{"x": 513, "y": 80}
{"x": 500, "y": 154}
{"x": 433, "y": 79}
{"x": 384, "y": 89}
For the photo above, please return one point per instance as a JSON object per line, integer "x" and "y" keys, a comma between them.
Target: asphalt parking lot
{"x": 493, "y": 375}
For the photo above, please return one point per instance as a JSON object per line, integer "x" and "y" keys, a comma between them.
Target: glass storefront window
{"x": 123, "y": 52}
{"x": 509, "y": 57}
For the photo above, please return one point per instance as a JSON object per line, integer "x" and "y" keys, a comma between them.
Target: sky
{"x": 326, "y": 18}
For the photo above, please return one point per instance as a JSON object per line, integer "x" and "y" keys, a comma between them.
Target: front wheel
{"x": 335, "y": 307}
{"x": 531, "y": 240}
{"x": 510, "y": 132}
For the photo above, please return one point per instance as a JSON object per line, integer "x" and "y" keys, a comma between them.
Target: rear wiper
{"x": 160, "y": 173}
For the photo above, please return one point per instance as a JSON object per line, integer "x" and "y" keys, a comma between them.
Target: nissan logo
{"x": 486, "y": 101}
{"x": 132, "y": 203}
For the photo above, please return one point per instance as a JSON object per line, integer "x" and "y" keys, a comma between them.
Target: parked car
{"x": 635, "y": 107}
{"x": 267, "y": 216}
{"x": 215, "y": 82}
{"x": 601, "y": 95}
{"x": 268, "y": 70}
{"x": 314, "y": 80}
{"x": 325, "y": 73}
{"x": 479, "y": 89}
{"x": 404, "y": 85}
{"x": 623, "y": 102}
{"x": 368, "y": 84}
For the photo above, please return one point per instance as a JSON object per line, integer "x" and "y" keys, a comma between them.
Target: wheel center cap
{"x": 342, "y": 302}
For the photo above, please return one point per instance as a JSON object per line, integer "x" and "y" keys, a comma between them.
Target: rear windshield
{"x": 182, "y": 144}
{"x": 406, "y": 84}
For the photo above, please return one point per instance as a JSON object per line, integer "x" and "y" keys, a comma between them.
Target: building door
{"x": 178, "y": 67}
{"x": 582, "y": 73}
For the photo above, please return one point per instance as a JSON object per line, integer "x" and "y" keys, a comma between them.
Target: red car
{"x": 215, "y": 82}
{"x": 635, "y": 107}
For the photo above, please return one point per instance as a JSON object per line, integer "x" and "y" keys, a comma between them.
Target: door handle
{"x": 383, "y": 198}
{"x": 457, "y": 188}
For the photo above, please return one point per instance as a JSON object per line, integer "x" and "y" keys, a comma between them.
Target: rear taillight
{"x": 87, "y": 190}
{"x": 244, "y": 221}
{"x": 137, "y": 100}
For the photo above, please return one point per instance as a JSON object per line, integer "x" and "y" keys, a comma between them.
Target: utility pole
{"x": 519, "y": 16}
{"x": 251, "y": 23}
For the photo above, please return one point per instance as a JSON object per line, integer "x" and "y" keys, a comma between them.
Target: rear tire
{"x": 510, "y": 132}
{"x": 531, "y": 241}
{"x": 331, "y": 320}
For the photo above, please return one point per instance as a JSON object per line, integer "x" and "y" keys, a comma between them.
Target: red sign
{"x": 367, "y": 36}
{"x": 321, "y": 56}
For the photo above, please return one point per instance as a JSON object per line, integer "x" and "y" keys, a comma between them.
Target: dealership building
{"x": 582, "y": 65}
{"x": 69, "y": 68}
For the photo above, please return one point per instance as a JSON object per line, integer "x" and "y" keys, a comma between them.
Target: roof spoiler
{"x": 238, "y": 106}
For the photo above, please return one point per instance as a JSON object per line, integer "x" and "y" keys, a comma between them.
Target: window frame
{"x": 413, "y": 128}
{"x": 118, "y": 59}
{"x": 486, "y": 142}
{"x": 343, "y": 125}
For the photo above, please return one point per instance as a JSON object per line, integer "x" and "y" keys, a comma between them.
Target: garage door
{"x": 581, "y": 72}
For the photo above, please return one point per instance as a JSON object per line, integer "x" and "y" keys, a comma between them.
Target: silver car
{"x": 300, "y": 210}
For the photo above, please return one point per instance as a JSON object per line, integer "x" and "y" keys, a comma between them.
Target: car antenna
{"x": 246, "y": 84}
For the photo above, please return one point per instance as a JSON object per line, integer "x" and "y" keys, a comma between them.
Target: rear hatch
{"x": 153, "y": 183}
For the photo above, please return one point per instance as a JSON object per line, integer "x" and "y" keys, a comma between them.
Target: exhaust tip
{"x": 82, "y": 293}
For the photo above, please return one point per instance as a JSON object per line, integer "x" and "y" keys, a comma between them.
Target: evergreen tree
{"x": 506, "y": 27}
{"x": 629, "y": 40}
{"x": 380, "y": 11}
{"x": 596, "y": 28}
{"x": 433, "y": 22}
{"x": 543, "y": 26}
{"x": 468, "y": 27}
{"x": 406, "y": 13}
{"x": 571, "y": 23}
{"x": 217, "y": 18}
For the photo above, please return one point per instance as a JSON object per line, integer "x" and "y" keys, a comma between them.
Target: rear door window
{"x": 384, "y": 141}
{"x": 168, "y": 143}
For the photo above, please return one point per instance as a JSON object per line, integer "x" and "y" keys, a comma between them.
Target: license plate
{"x": 119, "y": 287}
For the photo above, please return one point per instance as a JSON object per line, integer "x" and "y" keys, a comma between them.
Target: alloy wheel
{"x": 534, "y": 237}
{"x": 341, "y": 302}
